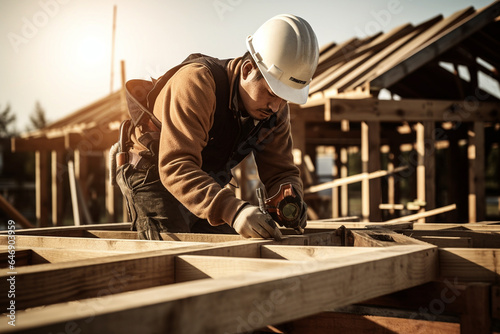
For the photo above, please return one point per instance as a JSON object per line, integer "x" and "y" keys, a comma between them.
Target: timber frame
{"x": 353, "y": 277}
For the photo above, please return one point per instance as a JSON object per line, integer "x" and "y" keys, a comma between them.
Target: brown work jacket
{"x": 186, "y": 107}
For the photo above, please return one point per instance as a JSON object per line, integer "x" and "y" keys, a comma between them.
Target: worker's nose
{"x": 275, "y": 104}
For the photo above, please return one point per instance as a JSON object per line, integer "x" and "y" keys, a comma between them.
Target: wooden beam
{"x": 476, "y": 157}
{"x": 57, "y": 170}
{"x": 411, "y": 110}
{"x": 476, "y": 317}
{"x": 424, "y": 214}
{"x": 484, "y": 226}
{"x": 41, "y": 143}
{"x": 353, "y": 179}
{"x": 252, "y": 301}
{"x": 69, "y": 230}
{"x": 430, "y": 166}
{"x": 365, "y": 182}
{"x": 437, "y": 45}
{"x": 336, "y": 322}
{"x": 95, "y": 277}
{"x": 470, "y": 264}
{"x": 194, "y": 267}
{"x": 69, "y": 243}
{"x": 42, "y": 189}
{"x": 374, "y": 164}
{"x": 456, "y": 237}
{"x": 12, "y": 213}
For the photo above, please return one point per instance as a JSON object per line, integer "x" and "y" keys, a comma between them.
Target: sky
{"x": 58, "y": 52}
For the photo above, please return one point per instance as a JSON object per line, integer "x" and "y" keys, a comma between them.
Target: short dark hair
{"x": 248, "y": 56}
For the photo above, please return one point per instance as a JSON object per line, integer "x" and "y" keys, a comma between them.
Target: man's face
{"x": 258, "y": 99}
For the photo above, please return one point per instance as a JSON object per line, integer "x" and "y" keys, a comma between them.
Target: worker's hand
{"x": 252, "y": 223}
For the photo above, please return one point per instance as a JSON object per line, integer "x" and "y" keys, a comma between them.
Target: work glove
{"x": 252, "y": 223}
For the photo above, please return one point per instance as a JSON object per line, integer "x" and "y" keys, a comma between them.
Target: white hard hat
{"x": 286, "y": 51}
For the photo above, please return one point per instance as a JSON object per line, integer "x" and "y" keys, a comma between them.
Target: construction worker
{"x": 203, "y": 117}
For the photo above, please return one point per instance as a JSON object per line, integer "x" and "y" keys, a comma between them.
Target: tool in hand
{"x": 262, "y": 207}
{"x": 284, "y": 207}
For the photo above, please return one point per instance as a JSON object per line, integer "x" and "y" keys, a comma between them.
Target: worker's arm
{"x": 186, "y": 107}
{"x": 274, "y": 156}
{"x": 274, "y": 159}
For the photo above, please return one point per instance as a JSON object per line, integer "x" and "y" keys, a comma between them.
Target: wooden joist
{"x": 107, "y": 281}
{"x": 286, "y": 293}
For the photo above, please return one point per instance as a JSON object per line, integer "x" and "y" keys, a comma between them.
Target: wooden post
{"x": 365, "y": 184}
{"x": 42, "y": 189}
{"x": 371, "y": 190}
{"x": 81, "y": 173}
{"x": 477, "y": 205}
{"x": 57, "y": 163}
{"x": 420, "y": 146}
{"x": 335, "y": 191}
{"x": 344, "y": 193}
{"x": 430, "y": 166}
{"x": 476, "y": 316}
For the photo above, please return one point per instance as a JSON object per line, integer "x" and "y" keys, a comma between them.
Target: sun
{"x": 91, "y": 50}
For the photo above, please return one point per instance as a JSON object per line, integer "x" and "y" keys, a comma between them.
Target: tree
{"x": 6, "y": 120}
{"x": 37, "y": 118}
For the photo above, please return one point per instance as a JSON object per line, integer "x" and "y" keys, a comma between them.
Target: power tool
{"x": 284, "y": 207}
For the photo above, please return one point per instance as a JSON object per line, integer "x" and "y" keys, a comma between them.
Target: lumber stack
{"x": 100, "y": 278}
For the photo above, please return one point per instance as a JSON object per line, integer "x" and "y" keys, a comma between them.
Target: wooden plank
{"x": 436, "y": 46}
{"x": 68, "y": 243}
{"x": 353, "y": 179}
{"x": 90, "y": 278}
{"x": 414, "y": 110}
{"x": 12, "y": 212}
{"x": 57, "y": 168}
{"x": 374, "y": 165}
{"x": 334, "y": 322}
{"x": 326, "y": 224}
{"x": 494, "y": 226}
{"x": 365, "y": 183}
{"x": 470, "y": 264}
{"x": 442, "y": 242}
{"x": 477, "y": 200}
{"x": 251, "y": 301}
{"x": 478, "y": 239}
{"x": 22, "y": 257}
{"x": 68, "y": 230}
{"x": 476, "y": 317}
{"x": 421, "y": 184}
{"x": 308, "y": 253}
{"x": 38, "y": 143}
{"x": 495, "y": 302}
{"x": 430, "y": 166}
{"x": 379, "y": 238}
{"x": 424, "y": 214}
{"x": 42, "y": 189}
{"x": 194, "y": 267}
{"x": 52, "y": 255}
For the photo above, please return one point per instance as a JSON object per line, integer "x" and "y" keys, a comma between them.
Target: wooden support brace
{"x": 284, "y": 293}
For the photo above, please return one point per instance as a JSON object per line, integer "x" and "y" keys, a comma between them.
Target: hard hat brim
{"x": 287, "y": 93}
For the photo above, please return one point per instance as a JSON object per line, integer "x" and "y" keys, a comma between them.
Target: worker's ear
{"x": 246, "y": 69}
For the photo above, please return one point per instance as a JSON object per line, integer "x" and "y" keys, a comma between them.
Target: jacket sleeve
{"x": 186, "y": 107}
{"x": 274, "y": 156}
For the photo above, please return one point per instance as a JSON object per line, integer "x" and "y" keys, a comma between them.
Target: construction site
{"x": 398, "y": 148}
